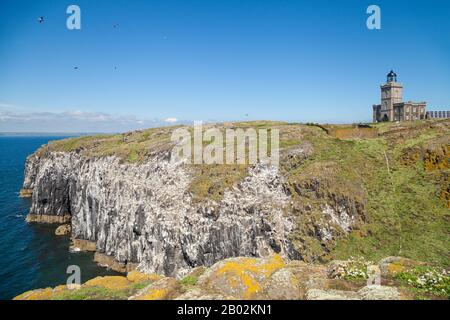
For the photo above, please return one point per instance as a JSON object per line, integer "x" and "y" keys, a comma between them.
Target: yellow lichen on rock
{"x": 39, "y": 294}
{"x": 26, "y": 193}
{"x": 154, "y": 294}
{"x": 63, "y": 230}
{"x": 159, "y": 290}
{"x": 61, "y": 288}
{"x": 270, "y": 265}
{"x": 109, "y": 282}
{"x": 136, "y": 276}
{"x": 394, "y": 268}
{"x": 391, "y": 265}
{"x": 244, "y": 275}
{"x": 437, "y": 159}
{"x": 445, "y": 189}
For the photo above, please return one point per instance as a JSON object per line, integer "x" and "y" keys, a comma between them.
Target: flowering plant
{"x": 427, "y": 279}
{"x": 351, "y": 269}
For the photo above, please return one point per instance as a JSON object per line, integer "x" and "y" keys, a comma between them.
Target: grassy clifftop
{"x": 396, "y": 176}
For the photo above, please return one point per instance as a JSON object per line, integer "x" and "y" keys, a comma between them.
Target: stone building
{"x": 392, "y": 107}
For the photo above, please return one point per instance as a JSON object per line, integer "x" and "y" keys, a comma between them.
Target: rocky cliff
{"x": 126, "y": 199}
{"x": 143, "y": 214}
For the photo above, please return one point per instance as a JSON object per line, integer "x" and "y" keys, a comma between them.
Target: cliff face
{"x": 143, "y": 214}
{"x": 330, "y": 198}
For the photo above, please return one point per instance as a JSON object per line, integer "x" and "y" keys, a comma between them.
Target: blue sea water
{"x": 31, "y": 256}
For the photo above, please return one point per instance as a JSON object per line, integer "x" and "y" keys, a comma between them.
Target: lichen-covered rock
{"x": 45, "y": 294}
{"x": 318, "y": 294}
{"x": 438, "y": 156}
{"x": 162, "y": 289}
{"x": 391, "y": 265}
{"x": 199, "y": 294}
{"x": 109, "y": 262}
{"x": 372, "y": 292}
{"x": 283, "y": 285}
{"x": 109, "y": 282}
{"x": 377, "y": 292}
{"x": 50, "y": 219}
{"x": 26, "y": 193}
{"x": 39, "y": 294}
{"x": 83, "y": 245}
{"x": 309, "y": 276}
{"x": 136, "y": 276}
{"x": 242, "y": 278}
{"x": 63, "y": 230}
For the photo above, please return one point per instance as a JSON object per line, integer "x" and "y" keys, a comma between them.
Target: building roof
{"x": 392, "y": 74}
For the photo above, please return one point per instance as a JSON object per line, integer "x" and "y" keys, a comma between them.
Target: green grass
{"x": 405, "y": 215}
{"x": 211, "y": 181}
{"x": 189, "y": 281}
{"x": 132, "y": 147}
{"x": 132, "y": 156}
{"x": 93, "y": 293}
{"x": 141, "y": 285}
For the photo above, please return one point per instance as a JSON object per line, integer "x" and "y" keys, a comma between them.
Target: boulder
{"x": 63, "y": 230}
{"x": 391, "y": 265}
{"x": 83, "y": 245}
{"x": 377, "y": 292}
{"x": 336, "y": 269}
{"x": 283, "y": 285}
{"x": 242, "y": 278}
{"x": 199, "y": 294}
{"x": 319, "y": 294}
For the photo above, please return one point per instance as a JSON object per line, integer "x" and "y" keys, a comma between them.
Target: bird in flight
{"x": 41, "y": 19}
{"x": 76, "y": 68}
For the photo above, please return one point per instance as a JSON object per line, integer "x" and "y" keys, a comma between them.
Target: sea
{"x": 31, "y": 255}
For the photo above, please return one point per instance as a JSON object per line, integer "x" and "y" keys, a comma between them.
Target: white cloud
{"x": 171, "y": 120}
{"x": 7, "y": 106}
{"x": 74, "y": 121}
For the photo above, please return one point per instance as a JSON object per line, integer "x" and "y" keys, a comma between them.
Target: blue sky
{"x": 214, "y": 60}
